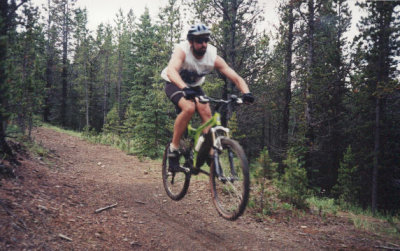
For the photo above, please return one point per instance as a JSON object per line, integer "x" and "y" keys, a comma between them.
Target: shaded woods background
{"x": 327, "y": 102}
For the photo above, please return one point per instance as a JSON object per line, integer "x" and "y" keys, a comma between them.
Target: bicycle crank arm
{"x": 184, "y": 169}
{"x": 204, "y": 172}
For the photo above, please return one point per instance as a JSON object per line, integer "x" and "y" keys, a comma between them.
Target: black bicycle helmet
{"x": 197, "y": 30}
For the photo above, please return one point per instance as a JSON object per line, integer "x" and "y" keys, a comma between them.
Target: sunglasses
{"x": 201, "y": 40}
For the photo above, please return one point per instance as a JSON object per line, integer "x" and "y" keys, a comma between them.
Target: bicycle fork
{"x": 218, "y": 168}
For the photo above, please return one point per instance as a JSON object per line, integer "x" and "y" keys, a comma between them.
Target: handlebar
{"x": 221, "y": 103}
{"x": 232, "y": 99}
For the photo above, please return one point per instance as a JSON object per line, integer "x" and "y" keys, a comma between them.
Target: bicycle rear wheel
{"x": 175, "y": 183}
{"x": 230, "y": 187}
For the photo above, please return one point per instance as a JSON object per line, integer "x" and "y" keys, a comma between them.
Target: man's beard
{"x": 200, "y": 52}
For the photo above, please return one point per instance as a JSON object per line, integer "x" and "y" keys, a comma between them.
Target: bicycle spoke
{"x": 237, "y": 193}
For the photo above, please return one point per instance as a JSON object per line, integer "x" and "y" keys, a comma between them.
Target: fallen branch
{"x": 140, "y": 202}
{"x": 392, "y": 244}
{"x": 387, "y": 248}
{"x": 105, "y": 208}
{"x": 43, "y": 208}
{"x": 135, "y": 243}
{"x": 64, "y": 237}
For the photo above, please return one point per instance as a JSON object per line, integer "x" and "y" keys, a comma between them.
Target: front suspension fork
{"x": 217, "y": 165}
{"x": 218, "y": 168}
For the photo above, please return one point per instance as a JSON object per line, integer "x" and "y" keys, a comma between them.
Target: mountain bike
{"x": 229, "y": 170}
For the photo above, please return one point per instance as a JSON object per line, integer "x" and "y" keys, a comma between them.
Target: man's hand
{"x": 189, "y": 93}
{"x": 248, "y": 98}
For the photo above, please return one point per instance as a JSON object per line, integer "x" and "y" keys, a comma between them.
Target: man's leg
{"x": 182, "y": 120}
{"x": 204, "y": 111}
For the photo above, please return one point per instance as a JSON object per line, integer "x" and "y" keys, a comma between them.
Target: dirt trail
{"x": 51, "y": 206}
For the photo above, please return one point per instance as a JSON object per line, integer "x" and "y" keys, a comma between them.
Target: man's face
{"x": 199, "y": 45}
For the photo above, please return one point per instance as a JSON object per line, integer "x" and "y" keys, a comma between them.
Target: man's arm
{"x": 224, "y": 68}
{"x": 175, "y": 63}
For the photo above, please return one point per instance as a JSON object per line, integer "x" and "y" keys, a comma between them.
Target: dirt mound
{"x": 52, "y": 203}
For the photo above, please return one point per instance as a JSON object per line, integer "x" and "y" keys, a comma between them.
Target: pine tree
{"x": 105, "y": 51}
{"x": 64, "y": 20}
{"x": 319, "y": 111}
{"x": 81, "y": 64}
{"x": 347, "y": 189}
{"x": 7, "y": 16}
{"x": 52, "y": 63}
{"x": 123, "y": 53}
{"x": 289, "y": 19}
{"x": 375, "y": 84}
{"x": 147, "y": 118}
{"x": 25, "y": 74}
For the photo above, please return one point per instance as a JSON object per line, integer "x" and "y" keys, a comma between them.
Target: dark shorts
{"x": 175, "y": 94}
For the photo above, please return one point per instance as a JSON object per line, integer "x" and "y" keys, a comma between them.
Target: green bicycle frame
{"x": 195, "y": 133}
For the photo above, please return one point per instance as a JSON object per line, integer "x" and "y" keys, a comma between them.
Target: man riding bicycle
{"x": 191, "y": 60}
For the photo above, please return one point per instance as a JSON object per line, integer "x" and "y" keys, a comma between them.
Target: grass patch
{"x": 380, "y": 224}
{"x": 388, "y": 227}
{"x": 114, "y": 140}
{"x": 25, "y": 145}
{"x": 32, "y": 147}
{"x": 58, "y": 129}
{"x": 323, "y": 206}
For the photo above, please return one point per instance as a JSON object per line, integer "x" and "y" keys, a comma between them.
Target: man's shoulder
{"x": 212, "y": 48}
{"x": 184, "y": 45}
{"x": 211, "y": 52}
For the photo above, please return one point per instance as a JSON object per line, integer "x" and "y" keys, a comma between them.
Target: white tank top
{"x": 193, "y": 70}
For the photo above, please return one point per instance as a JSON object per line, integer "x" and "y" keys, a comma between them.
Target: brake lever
{"x": 236, "y": 100}
{"x": 204, "y": 99}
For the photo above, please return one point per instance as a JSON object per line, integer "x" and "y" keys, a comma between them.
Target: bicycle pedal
{"x": 185, "y": 169}
{"x": 223, "y": 179}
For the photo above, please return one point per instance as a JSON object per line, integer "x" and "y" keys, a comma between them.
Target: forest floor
{"x": 51, "y": 206}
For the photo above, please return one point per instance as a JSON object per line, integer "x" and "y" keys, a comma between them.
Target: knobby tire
{"x": 235, "y": 192}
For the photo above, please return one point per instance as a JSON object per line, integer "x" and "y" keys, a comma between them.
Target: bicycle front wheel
{"x": 230, "y": 183}
{"x": 176, "y": 183}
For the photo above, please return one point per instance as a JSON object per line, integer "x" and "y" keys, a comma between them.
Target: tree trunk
{"x": 49, "y": 69}
{"x": 225, "y": 92}
{"x": 105, "y": 87}
{"x": 87, "y": 104}
{"x": 383, "y": 47}
{"x": 229, "y": 10}
{"x": 64, "y": 74}
{"x": 376, "y": 155}
{"x": 308, "y": 88}
{"x": 310, "y": 64}
{"x": 4, "y": 148}
{"x": 118, "y": 87}
{"x": 49, "y": 84}
{"x": 288, "y": 92}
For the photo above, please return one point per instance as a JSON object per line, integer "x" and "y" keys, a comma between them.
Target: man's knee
{"x": 188, "y": 108}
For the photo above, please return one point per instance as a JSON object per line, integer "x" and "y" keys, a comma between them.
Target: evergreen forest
{"x": 327, "y": 109}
